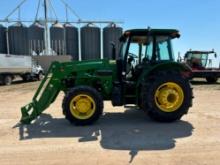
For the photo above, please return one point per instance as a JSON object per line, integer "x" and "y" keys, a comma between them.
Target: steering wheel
{"x": 132, "y": 55}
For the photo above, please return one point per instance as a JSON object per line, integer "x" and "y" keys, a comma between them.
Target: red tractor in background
{"x": 201, "y": 65}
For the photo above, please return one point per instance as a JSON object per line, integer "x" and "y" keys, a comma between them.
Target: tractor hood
{"x": 90, "y": 66}
{"x": 94, "y": 63}
{"x": 90, "y": 62}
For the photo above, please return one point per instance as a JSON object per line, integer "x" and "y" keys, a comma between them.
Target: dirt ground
{"x": 121, "y": 136}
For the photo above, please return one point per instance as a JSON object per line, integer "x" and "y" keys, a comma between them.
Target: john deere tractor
{"x": 144, "y": 74}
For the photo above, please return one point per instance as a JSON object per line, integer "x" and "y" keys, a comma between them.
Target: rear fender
{"x": 184, "y": 70}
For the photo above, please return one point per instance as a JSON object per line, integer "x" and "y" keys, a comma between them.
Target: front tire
{"x": 166, "y": 97}
{"x": 82, "y": 105}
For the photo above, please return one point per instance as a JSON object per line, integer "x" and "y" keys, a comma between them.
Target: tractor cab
{"x": 144, "y": 47}
{"x": 199, "y": 60}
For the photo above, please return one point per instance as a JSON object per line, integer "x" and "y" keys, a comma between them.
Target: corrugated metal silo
{"x": 18, "y": 39}
{"x": 90, "y": 42}
{"x": 36, "y": 38}
{"x": 3, "y": 42}
{"x": 71, "y": 35}
{"x": 111, "y": 33}
{"x": 57, "y": 36}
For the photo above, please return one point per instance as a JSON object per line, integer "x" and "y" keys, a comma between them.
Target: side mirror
{"x": 113, "y": 50}
{"x": 215, "y": 55}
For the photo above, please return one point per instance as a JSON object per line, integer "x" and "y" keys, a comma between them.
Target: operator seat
{"x": 139, "y": 68}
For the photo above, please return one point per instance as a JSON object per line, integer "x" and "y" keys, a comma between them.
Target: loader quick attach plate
{"x": 29, "y": 112}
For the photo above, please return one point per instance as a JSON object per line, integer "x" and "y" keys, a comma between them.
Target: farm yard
{"x": 121, "y": 136}
{"x": 60, "y": 59}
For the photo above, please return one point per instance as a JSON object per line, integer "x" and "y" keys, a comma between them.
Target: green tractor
{"x": 144, "y": 74}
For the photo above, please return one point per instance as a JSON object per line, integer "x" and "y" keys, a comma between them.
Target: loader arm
{"x": 46, "y": 93}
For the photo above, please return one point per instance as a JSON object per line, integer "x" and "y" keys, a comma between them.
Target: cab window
{"x": 148, "y": 50}
{"x": 163, "y": 48}
{"x": 134, "y": 49}
{"x": 137, "y": 49}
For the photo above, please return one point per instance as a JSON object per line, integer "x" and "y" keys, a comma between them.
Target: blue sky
{"x": 197, "y": 20}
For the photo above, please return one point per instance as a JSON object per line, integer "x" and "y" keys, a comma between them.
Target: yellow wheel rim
{"x": 169, "y": 97}
{"x": 82, "y": 106}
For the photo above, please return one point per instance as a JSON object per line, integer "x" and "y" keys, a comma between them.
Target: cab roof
{"x": 169, "y": 32}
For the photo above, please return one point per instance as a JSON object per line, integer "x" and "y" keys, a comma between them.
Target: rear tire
{"x": 211, "y": 80}
{"x": 82, "y": 105}
{"x": 175, "y": 94}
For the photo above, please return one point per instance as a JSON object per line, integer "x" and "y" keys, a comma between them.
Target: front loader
{"x": 144, "y": 74}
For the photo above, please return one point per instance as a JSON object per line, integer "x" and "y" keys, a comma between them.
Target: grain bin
{"x": 36, "y": 38}
{"x": 72, "y": 40}
{"x": 3, "y": 41}
{"x": 18, "y": 39}
{"x": 57, "y": 36}
{"x": 90, "y": 42}
{"x": 111, "y": 33}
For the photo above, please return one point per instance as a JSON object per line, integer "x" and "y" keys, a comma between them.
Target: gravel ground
{"x": 121, "y": 136}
